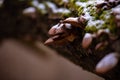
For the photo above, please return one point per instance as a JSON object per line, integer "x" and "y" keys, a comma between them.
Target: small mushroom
{"x": 76, "y": 22}
{"x": 107, "y": 63}
{"x": 52, "y": 31}
{"x": 60, "y": 34}
{"x": 71, "y": 20}
{"x": 65, "y": 30}
{"x": 101, "y": 45}
{"x": 102, "y": 31}
{"x": 56, "y": 29}
{"x": 87, "y": 40}
{"x": 51, "y": 40}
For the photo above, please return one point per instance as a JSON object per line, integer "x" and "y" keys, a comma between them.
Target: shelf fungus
{"x": 108, "y": 62}
{"x": 64, "y": 31}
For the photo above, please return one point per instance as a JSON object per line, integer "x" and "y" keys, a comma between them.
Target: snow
{"x": 41, "y": 6}
{"x": 35, "y": 3}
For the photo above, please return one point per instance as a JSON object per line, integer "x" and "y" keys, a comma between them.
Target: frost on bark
{"x": 87, "y": 32}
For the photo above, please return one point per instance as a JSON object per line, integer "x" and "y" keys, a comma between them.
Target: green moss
{"x": 109, "y": 21}
{"x": 83, "y": 0}
{"x": 80, "y": 11}
{"x": 111, "y": 24}
{"x": 90, "y": 29}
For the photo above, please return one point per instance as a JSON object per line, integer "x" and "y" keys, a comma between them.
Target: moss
{"x": 112, "y": 25}
{"x": 104, "y": 15}
{"x": 83, "y": 0}
{"x": 109, "y": 21}
{"x": 91, "y": 29}
{"x": 98, "y": 19}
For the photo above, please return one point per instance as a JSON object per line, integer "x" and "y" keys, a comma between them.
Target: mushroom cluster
{"x": 65, "y": 31}
{"x": 105, "y": 35}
